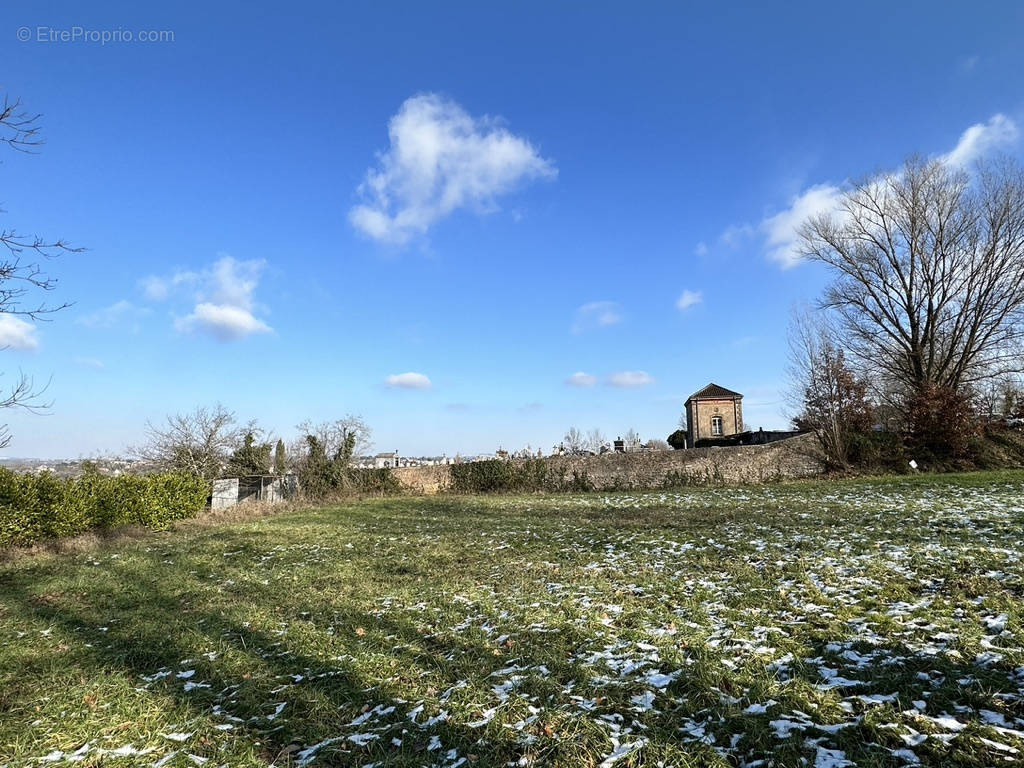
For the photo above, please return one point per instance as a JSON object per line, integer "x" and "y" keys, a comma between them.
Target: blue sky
{"x": 290, "y": 207}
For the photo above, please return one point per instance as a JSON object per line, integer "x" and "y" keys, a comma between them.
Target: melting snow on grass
{"x": 792, "y": 625}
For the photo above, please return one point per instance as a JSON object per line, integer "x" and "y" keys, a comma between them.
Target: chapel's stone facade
{"x": 712, "y": 412}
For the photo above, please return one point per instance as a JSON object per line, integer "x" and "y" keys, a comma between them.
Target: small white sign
{"x": 913, "y": 464}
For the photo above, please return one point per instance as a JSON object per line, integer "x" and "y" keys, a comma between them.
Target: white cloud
{"x": 1000, "y": 132}
{"x": 441, "y": 159}
{"x": 701, "y": 250}
{"x": 410, "y": 380}
{"x": 231, "y": 282}
{"x": 16, "y": 333}
{"x": 734, "y": 235}
{"x": 222, "y": 321}
{"x": 630, "y": 379}
{"x": 117, "y": 314}
{"x": 155, "y": 288}
{"x": 689, "y": 299}
{"x": 224, "y": 295}
{"x": 158, "y": 288}
{"x": 596, "y": 314}
{"x": 780, "y": 230}
{"x": 581, "y": 379}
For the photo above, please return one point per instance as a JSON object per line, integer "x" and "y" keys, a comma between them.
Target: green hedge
{"x": 37, "y": 507}
{"x": 374, "y": 481}
{"x": 326, "y": 482}
{"x": 518, "y": 476}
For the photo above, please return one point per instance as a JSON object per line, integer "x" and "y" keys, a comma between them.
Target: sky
{"x": 474, "y": 224}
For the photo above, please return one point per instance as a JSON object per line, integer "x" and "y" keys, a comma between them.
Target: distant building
{"x": 629, "y": 444}
{"x": 713, "y": 412}
{"x": 393, "y": 460}
{"x": 385, "y": 460}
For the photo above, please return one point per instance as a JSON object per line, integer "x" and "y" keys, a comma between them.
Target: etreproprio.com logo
{"x": 76, "y": 34}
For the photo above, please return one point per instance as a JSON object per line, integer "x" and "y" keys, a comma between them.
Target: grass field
{"x": 868, "y": 623}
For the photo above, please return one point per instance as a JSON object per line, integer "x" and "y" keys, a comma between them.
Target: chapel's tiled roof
{"x": 714, "y": 392}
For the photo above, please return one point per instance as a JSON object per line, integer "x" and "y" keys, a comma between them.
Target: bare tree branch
{"x": 19, "y": 129}
{"x": 20, "y": 273}
{"x": 25, "y": 395}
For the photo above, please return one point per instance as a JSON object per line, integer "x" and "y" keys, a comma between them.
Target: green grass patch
{"x": 873, "y": 621}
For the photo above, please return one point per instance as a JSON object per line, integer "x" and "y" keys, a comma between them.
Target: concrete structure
{"x": 271, "y": 489}
{"x": 713, "y": 412}
{"x": 225, "y": 493}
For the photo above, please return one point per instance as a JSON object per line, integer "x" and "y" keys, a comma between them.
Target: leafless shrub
{"x": 825, "y": 394}
{"x": 595, "y": 440}
{"x": 573, "y": 443}
{"x": 199, "y": 443}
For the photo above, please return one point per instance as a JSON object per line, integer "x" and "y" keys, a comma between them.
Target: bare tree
{"x": 199, "y": 443}
{"x": 656, "y": 444}
{"x": 929, "y": 266}
{"x": 573, "y": 442}
{"x": 595, "y": 440}
{"x": 21, "y": 274}
{"x": 631, "y": 439}
{"x": 1001, "y": 397}
{"x": 827, "y": 397}
{"x": 333, "y": 436}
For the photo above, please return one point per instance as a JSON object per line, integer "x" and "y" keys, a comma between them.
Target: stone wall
{"x": 428, "y": 480}
{"x": 785, "y": 460}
